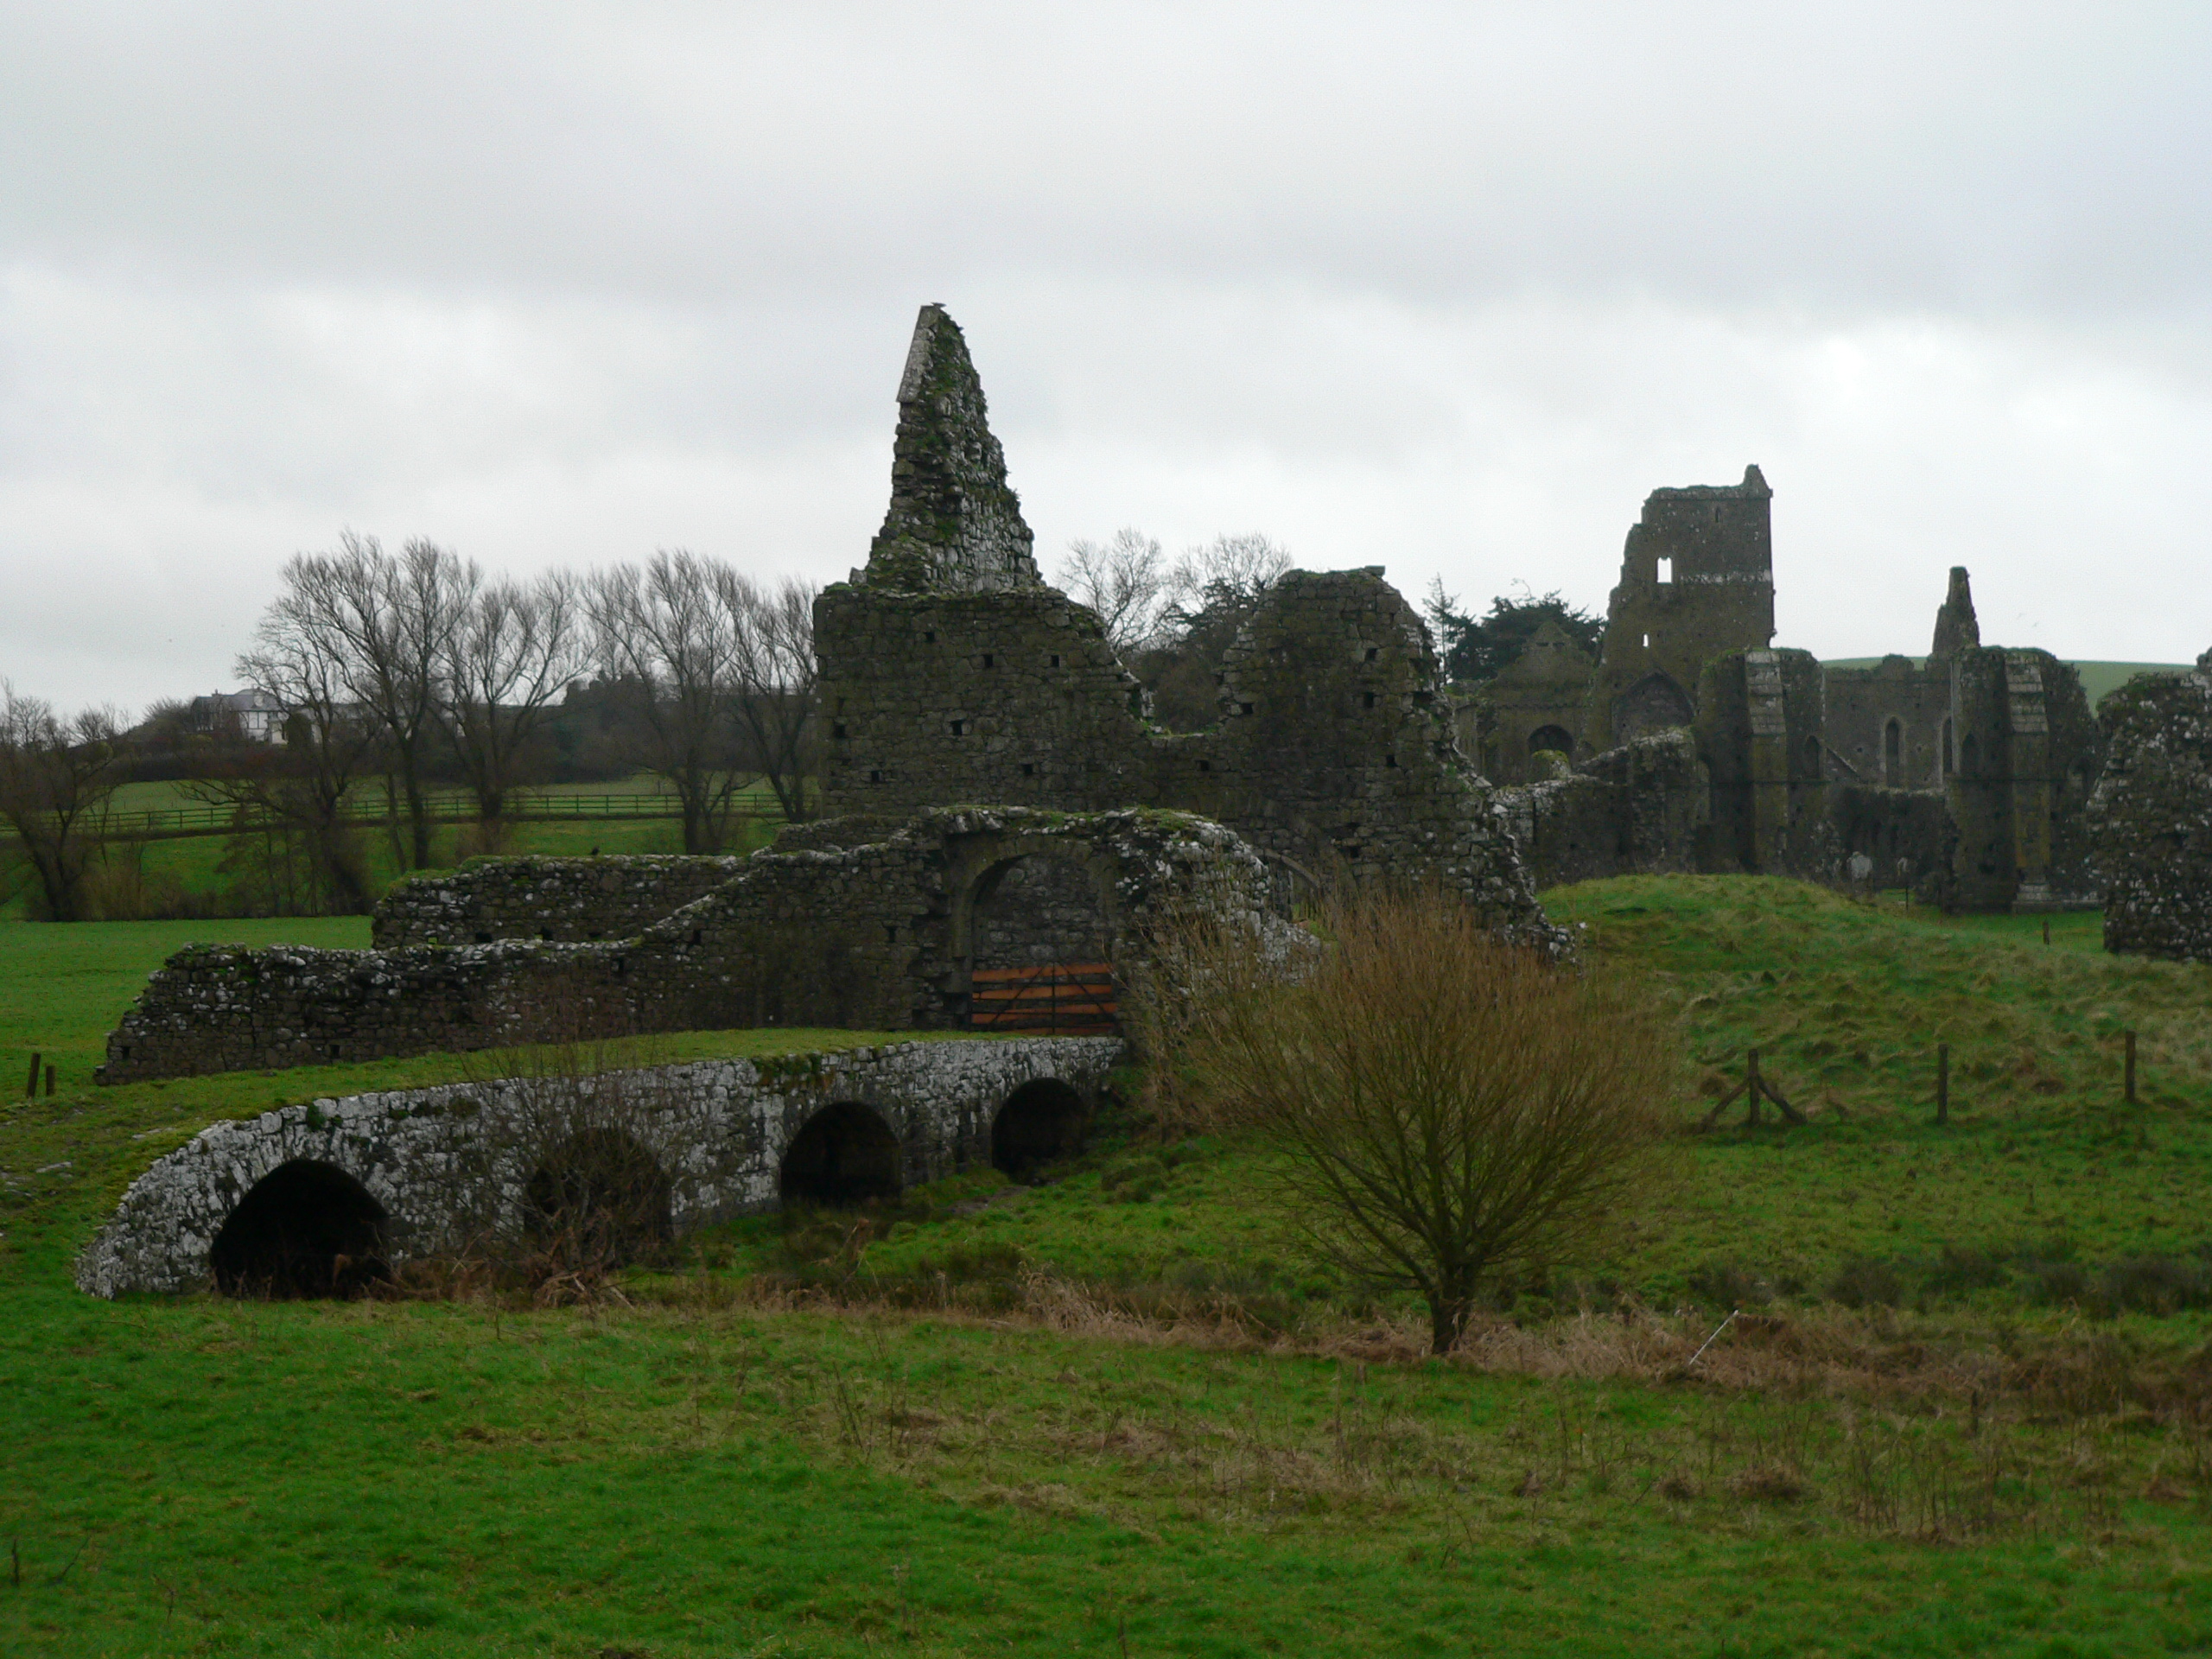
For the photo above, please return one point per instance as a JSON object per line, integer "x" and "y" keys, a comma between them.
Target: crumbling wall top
{"x": 954, "y": 524}
{"x": 1957, "y": 628}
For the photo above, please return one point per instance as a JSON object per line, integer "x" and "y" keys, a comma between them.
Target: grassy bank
{"x": 1117, "y": 1414}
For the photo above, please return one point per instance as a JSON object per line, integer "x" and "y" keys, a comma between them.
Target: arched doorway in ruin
{"x": 1041, "y": 1123}
{"x": 305, "y": 1229}
{"x": 598, "y": 1198}
{"x": 1555, "y": 738}
{"x": 1654, "y": 703}
{"x": 1039, "y": 939}
{"x": 845, "y": 1154}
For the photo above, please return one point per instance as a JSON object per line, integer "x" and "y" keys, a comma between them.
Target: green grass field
{"x": 1117, "y": 1414}
{"x": 191, "y": 864}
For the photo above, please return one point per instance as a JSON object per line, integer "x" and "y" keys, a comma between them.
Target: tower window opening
{"x": 1666, "y": 570}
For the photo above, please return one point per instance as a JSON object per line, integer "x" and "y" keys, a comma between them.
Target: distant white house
{"x": 253, "y": 715}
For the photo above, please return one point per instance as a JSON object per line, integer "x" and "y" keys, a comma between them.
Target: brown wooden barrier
{"x": 1057, "y": 999}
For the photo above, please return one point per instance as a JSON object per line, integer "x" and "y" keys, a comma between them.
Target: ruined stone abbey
{"x": 1000, "y": 802}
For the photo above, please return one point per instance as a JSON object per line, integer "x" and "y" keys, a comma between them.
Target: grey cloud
{"x": 1879, "y": 155}
{"x": 1444, "y": 287}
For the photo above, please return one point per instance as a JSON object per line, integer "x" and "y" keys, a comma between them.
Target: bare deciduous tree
{"x": 1126, "y": 580}
{"x": 56, "y": 774}
{"x": 664, "y": 629}
{"x": 773, "y": 671}
{"x": 513, "y": 649}
{"x": 386, "y": 623}
{"x": 1446, "y": 1106}
{"x": 294, "y": 799}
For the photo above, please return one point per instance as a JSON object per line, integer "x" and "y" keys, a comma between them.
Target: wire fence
{"x": 213, "y": 818}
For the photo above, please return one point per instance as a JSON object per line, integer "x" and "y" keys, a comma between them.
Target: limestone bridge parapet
{"x": 313, "y": 1189}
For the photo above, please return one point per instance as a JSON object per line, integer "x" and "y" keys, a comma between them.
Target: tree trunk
{"x": 1447, "y": 1322}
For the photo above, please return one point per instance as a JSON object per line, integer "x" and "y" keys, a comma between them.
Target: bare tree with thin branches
{"x": 1445, "y": 1107}
{"x": 293, "y": 798}
{"x": 57, "y": 772}
{"x": 772, "y": 670}
{"x": 663, "y": 630}
{"x": 1126, "y": 580}
{"x": 386, "y": 623}
{"x": 512, "y": 650}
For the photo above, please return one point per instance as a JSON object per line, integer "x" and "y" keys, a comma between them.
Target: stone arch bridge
{"x": 314, "y": 1199}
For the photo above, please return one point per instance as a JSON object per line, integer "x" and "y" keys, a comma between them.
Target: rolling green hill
{"x": 2099, "y": 680}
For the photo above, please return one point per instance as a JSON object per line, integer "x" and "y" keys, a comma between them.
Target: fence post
{"x": 30, "y": 1089}
{"x": 2131, "y": 1068}
{"x": 1752, "y": 1077}
{"x": 1942, "y": 1083}
{"x": 49, "y": 1082}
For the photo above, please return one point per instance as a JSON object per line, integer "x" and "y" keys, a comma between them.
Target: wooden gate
{"x": 1055, "y": 999}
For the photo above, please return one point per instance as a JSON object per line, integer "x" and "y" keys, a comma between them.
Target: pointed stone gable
{"x": 954, "y": 527}
{"x": 1957, "y": 628}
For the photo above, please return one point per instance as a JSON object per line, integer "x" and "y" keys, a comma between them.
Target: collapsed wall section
{"x": 2151, "y": 817}
{"x": 1635, "y": 809}
{"x": 1333, "y": 752}
{"x": 881, "y": 936}
{"x": 565, "y": 899}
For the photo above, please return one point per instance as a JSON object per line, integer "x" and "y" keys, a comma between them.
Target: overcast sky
{"x": 1447, "y": 288}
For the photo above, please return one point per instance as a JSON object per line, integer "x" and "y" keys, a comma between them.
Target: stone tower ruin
{"x": 1697, "y": 582}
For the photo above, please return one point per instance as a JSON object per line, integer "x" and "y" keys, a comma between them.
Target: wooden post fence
{"x": 1756, "y": 1086}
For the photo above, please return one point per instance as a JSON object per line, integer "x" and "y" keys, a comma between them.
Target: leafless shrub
{"x": 1447, "y": 1106}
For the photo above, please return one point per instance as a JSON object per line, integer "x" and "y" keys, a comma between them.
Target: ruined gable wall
{"x": 2152, "y": 817}
{"x": 567, "y": 899}
{"x": 1861, "y": 703}
{"x": 953, "y": 522}
{"x": 1336, "y": 749}
{"x": 1547, "y": 686}
{"x": 931, "y": 699}
{"x": 1334, "y": 745}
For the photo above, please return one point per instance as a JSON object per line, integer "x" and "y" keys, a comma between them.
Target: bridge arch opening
{"x": 598, "y": 1197}
{"x": 1041, "y": 1123}
{"x": 845, "y": 1155}
{"x": 305, "y": 1229}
